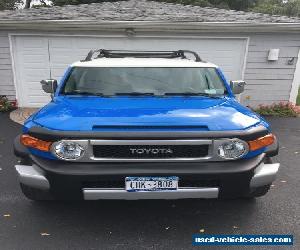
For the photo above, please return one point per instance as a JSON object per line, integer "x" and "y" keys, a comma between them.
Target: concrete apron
{"x": 21, "y": 114}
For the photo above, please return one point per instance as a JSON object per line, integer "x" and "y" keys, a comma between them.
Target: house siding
{"x": 267, "y": 82}
{"x": 6, "y": 74}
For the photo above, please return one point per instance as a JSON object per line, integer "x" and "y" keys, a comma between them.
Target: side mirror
{"x": 49, "y": 86}
{"x": 237, "y": 87}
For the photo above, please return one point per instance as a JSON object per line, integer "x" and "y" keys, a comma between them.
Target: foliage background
{"x": 273, "y": 7}
{"x": 9, "y": 4}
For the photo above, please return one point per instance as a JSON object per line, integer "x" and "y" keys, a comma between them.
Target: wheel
{"x": 35, "y": 194}
{"x": 258, "y": 192}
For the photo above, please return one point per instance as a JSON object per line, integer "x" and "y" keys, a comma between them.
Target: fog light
{"x": 232, "y": 149}
{"x": 68, "y": 150}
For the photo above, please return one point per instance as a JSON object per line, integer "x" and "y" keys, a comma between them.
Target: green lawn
{"x": 298, "y": 98}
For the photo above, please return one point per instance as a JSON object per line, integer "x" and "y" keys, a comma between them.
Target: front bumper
{"x": 216, "y": 180}
{"x": 106, "y": 180}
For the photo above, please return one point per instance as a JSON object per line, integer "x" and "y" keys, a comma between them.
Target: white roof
{"x": 143, "y": 62}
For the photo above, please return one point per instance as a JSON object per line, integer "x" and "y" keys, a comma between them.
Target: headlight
{"x": 68, "y": 150}
{"x": 233, "y": 149}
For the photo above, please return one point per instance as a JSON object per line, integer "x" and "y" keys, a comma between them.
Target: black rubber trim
{"x": 19, "y": 149}
{"x": 137, "y": 168}
{"x": 54, "y": 135}
{"x": 273, "y": 149}
{"x": 67, "y": 179}
{"x": 70, "y": 187}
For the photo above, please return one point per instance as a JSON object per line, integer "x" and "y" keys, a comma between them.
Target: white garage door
{"x": 43, "y": 57}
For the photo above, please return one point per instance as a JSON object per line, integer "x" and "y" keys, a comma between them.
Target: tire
{"x": 36, "y": 194}
{"x": 258, "y": 192}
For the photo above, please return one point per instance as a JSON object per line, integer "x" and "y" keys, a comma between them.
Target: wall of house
{"x": 267, "y": 82}
{"x": 6, "y": 76}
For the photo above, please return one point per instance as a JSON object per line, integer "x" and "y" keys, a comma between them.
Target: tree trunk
{"x": 27, "y": 4}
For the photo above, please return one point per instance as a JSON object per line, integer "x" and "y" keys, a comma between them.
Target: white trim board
{"x": 180, "y": 36}
{"x": 158, "y": 25}
{"x": 10, "y": 39}
{"x": 296, "y": 82}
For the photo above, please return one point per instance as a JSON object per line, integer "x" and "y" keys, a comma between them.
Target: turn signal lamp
{"x": 261, "y": 142}
{"x": 33, "y": 142}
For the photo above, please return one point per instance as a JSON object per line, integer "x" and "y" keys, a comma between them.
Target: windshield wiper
{"x": 135, "y": 94}
{"x": 193, "y": 94}
{"x": 84, "y": 93}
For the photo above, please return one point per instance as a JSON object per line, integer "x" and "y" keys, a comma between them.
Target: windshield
{"x": 139, "y": 80}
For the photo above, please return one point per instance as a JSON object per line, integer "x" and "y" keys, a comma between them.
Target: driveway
{"x": 146, "y": 224}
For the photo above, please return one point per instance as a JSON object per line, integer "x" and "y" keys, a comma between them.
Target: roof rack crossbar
{"x": 141, "y": 54}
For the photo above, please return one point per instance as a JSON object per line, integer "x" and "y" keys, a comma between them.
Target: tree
{"x": 241, "y": 4}
{"x": 9, "y": 4}
{"x": 278, "y": 7}
{"x": 27, "y": 4}
{"x": 273, "y": 7}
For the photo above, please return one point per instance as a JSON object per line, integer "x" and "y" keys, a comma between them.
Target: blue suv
{"x": 144, "y": 125}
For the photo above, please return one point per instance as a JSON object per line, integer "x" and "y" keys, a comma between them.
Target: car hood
{"x": 77, "y": 113}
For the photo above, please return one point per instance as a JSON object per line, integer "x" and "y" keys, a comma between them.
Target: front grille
{"x": 150, "y": 151}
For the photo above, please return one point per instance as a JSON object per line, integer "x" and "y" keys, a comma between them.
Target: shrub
{"x": 298, "y": 98}
{"x": 5, "y": 104}
{"x": 282, "y": 109}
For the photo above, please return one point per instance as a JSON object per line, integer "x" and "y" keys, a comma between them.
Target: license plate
{"x": 150, "y": 184}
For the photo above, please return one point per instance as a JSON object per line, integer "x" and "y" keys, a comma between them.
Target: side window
{"x": 71, "y": 82}
{"x": 214, "y": 83}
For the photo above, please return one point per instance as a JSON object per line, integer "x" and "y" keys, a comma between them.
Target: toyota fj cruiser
{"x": 144, "y": 125}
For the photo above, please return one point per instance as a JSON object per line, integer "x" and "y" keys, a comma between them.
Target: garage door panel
{"x": 32, "y": 58}
{"x": 36, "y": 83}
{"x": 58, "y": 73}
{"x": 38, "y": 100}
{"x": 57, "y": 59}
{"x": 44, "y": 57}
{"x": 60, "y": 43}
{"x": 33, "y": 43}
{"x": 82, "y": 45}
{"x": 33, "y": 74}
{"x": 31, "y": 65}
{"x": 34, "y": 91}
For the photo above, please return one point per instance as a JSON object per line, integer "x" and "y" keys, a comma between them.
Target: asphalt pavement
{"x": 147, "y": 224}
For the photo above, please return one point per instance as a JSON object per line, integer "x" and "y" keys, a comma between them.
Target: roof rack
{"x": 140, "y": 54}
